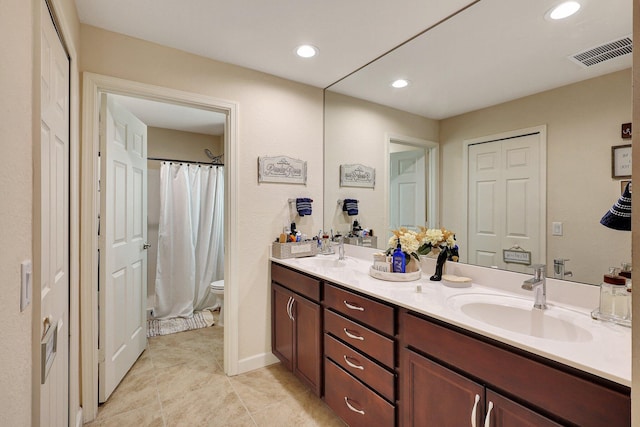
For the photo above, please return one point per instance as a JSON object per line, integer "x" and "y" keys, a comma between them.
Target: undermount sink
{"x": 518, "y": 315}
{"x": 323, "y": 261}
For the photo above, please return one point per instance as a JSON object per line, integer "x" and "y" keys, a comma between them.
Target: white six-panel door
{"x": 54, "y": 223}
{"x": 504, "y": 199}
{"x": 407, "y": 195}
{"x": 123, "y": 233}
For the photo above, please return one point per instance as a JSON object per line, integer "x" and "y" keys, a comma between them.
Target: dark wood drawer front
{"x": 581, "y": 402}
{"x": 361, "y": 367}
{"x": 372, "y": 313}
{"x": 364, "y": 339}
{"x": 297, "y": 282}
{"x": 354, "y": 402}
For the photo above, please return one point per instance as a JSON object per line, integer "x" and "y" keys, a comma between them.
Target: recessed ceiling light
{"x": 400, "y": 83}
{"x": 564, "y": 10}
{"x": 306, "y": 51}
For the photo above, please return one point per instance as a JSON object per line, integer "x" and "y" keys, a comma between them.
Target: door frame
{"x": 432, "y": 150}
{"x": 93, "y": 86}
{"x": 542, "y": 232}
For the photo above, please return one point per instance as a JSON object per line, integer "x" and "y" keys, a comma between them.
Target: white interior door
{"x": 123, "y": 254}
{"x": 54, "y": 256}
{"x": 504, "y": 199}
{"x": 407, "y": 198}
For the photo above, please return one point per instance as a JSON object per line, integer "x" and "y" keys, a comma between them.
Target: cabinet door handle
{"x": 290, "y": 308}
{"x": 352, "y": 335}
{"x": 354, "y": 409}
{"x": 353, "y": 365}
{"x": 352, "y": 306}
{"x": 474, "y": 410}
{"x": 487, "y": 419}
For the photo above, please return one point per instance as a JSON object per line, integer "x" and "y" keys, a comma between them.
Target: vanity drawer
{"x": 297, "y": 282}
{"x": 361, "y": 367}
{"x": 372, "y": 313}
{"x": 353, "y": 401}
{"x": 364, "y": 339}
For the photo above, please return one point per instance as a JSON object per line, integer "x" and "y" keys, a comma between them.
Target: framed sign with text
{"x": 282, "y": 169}
{"x": 621, "y": 161}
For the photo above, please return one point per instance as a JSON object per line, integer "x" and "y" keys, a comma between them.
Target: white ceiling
{"x": 494, "y": 51}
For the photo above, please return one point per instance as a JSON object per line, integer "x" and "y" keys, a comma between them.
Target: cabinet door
{"x": 281, "y": 325}
{"x": 503, "y": 412}
{"x": 434, "y": 396}
{"x": 308, "y": 345}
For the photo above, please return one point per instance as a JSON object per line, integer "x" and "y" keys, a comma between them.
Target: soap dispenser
{"x": 399, "y": 259}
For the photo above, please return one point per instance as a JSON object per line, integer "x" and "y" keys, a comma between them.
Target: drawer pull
{"x": 359, "y": 411}
{"x": 353, "y": 365}
{"x": 474, "y": 410}
{"x": 487, "y": 420}
{"x": 352, "y": 306}
{"x": 352, "y": 335}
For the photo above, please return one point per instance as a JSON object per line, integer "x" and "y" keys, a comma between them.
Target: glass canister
{"x": 614, "y": 297}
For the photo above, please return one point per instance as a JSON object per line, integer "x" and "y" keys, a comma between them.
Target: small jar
{"x": 614, "y": 297}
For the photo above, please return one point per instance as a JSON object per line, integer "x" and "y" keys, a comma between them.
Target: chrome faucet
{"x": 341, "y": 248}
{"x": 538, "y": 285}
{"x": 559, "y": 271}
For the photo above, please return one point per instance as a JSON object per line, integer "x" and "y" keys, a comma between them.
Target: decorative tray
{"x": 395, "y": 277}
{"x": 595, "y": 314}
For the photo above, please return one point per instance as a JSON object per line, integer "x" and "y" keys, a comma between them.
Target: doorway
{"x": 412, "y": 183}
{"x": 94, "y": 86}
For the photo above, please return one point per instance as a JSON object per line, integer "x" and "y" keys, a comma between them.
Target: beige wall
{"x": 170, "y": 144}
{"x": 583, "y": 122}
{"x": 276, "y": 117}
{"x": 176, "y": 144}
{"x": 355, "y": 133}
{"x": 16, "y": 208}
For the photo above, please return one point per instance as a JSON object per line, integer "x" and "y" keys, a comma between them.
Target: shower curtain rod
{"x": 160, "y": 159}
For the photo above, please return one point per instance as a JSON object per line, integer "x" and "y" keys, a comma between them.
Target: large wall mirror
{"x": 480, "y": 80}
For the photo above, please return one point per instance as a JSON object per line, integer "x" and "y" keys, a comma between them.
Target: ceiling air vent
{"x": 604, "y": 52}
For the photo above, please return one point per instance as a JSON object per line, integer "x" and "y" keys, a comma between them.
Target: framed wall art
{"x": 282, "y": 169}
{"x": 357, "y": 175}
{"x": 621, "y": 161}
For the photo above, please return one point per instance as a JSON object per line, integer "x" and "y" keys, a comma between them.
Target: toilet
{"x": 215, "y": 298}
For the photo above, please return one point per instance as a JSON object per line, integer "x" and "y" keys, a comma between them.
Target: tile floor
{"x": 179, "y": 381}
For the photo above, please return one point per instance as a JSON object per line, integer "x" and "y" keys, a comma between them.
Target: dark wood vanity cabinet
{"x": 360, "y": 380}
{"x": 296, "y": 324}
{"x": 379, "y": 365}
{"x": 442, "y": 370}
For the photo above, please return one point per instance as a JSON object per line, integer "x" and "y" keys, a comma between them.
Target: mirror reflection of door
{"x": 407, "y": 184}
{"x": 504, "y": 200}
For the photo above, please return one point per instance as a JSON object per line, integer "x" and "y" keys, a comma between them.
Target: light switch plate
{"x": 26, "y": 278}
{"x": 557, "y": 229}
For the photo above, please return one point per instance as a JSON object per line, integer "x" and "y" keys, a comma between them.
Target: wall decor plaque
{"x": 357, "y": 175}
{"x": 282, "y": 169}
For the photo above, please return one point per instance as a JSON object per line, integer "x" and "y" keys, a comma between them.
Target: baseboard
{"x": 79, "y": 421}
{"x": 256, "y": 362}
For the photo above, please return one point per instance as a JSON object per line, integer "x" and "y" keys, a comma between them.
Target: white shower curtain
{"x": 190, "y": 237}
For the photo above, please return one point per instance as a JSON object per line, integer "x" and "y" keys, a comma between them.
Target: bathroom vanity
{"x": 386, "y": 353}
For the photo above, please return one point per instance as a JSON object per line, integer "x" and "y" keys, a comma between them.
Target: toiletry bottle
{"x": 399, "y": 260}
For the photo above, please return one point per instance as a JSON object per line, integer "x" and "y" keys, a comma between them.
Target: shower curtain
{"x": 190, "y": 237}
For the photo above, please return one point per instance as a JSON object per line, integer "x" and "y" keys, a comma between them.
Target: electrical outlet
{"x": 26, "y": 278}
{"x": 556, "y": 229}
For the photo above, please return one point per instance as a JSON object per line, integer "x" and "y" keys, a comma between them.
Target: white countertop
{"x": 602, "y": 349}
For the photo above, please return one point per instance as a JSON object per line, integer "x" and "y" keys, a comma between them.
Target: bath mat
{"x": 200, "y": 319}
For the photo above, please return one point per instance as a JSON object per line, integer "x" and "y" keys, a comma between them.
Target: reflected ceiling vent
{"x": 605, "y": 52}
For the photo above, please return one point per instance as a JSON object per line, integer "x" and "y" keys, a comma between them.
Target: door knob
{"x": 146, "y": 246}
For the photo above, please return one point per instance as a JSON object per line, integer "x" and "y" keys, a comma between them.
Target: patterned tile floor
{"x": 179, "y": 381}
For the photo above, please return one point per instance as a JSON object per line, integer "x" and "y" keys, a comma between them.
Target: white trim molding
{"x": 93, "y": 86}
